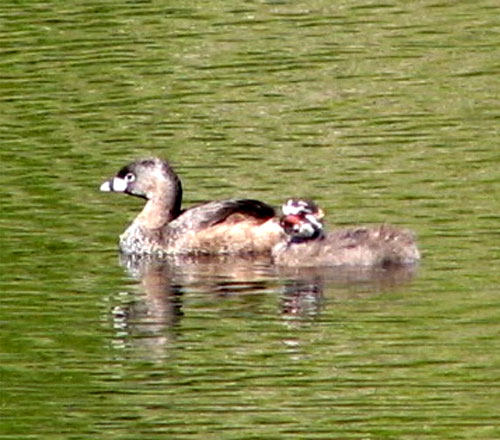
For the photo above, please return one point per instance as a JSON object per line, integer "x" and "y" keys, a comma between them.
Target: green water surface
{"x": 380, "y": 111}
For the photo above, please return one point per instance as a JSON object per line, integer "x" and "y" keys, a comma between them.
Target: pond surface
{"x": 380, "y": 111}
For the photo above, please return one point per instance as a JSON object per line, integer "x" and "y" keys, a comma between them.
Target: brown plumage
{"x": 234, "y": 226}
{"x": 308, "y": 245}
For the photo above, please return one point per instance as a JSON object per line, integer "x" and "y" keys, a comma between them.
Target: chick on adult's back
{"x": 307, "y": 244}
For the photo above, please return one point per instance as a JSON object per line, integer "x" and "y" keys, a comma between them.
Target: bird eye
{"x": 130, "y": 177}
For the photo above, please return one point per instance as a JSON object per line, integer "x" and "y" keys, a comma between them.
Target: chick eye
{"x": 130, "y": 177}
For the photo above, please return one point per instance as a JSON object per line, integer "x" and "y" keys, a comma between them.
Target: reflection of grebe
{"x": 235, "y": 226}
{"x": 145, "y": 318}
{"x": 307, "y": 244}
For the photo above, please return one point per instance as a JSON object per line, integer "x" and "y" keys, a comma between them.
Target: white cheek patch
{"x": 312, "y": 219}
{"x": 119, "y": 185}
{"x": 292, "y": 207}
{"x": 306, "y": 230}
{"x": 289, "y": 210}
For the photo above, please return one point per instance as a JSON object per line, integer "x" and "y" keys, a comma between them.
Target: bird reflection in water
{"x": 148, "y": 321}
{"x": 303, "y": 297}
{"x": 143, "y": 320}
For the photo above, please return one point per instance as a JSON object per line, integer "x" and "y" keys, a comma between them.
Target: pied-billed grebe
{"x": 235, "y": 226}
{"x": 307, "y": 244}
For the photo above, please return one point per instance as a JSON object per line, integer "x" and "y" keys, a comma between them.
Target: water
{"x": 379, "y": 111}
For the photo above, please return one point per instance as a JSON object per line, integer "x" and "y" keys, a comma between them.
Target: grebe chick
{"x": 307, "y": 243}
